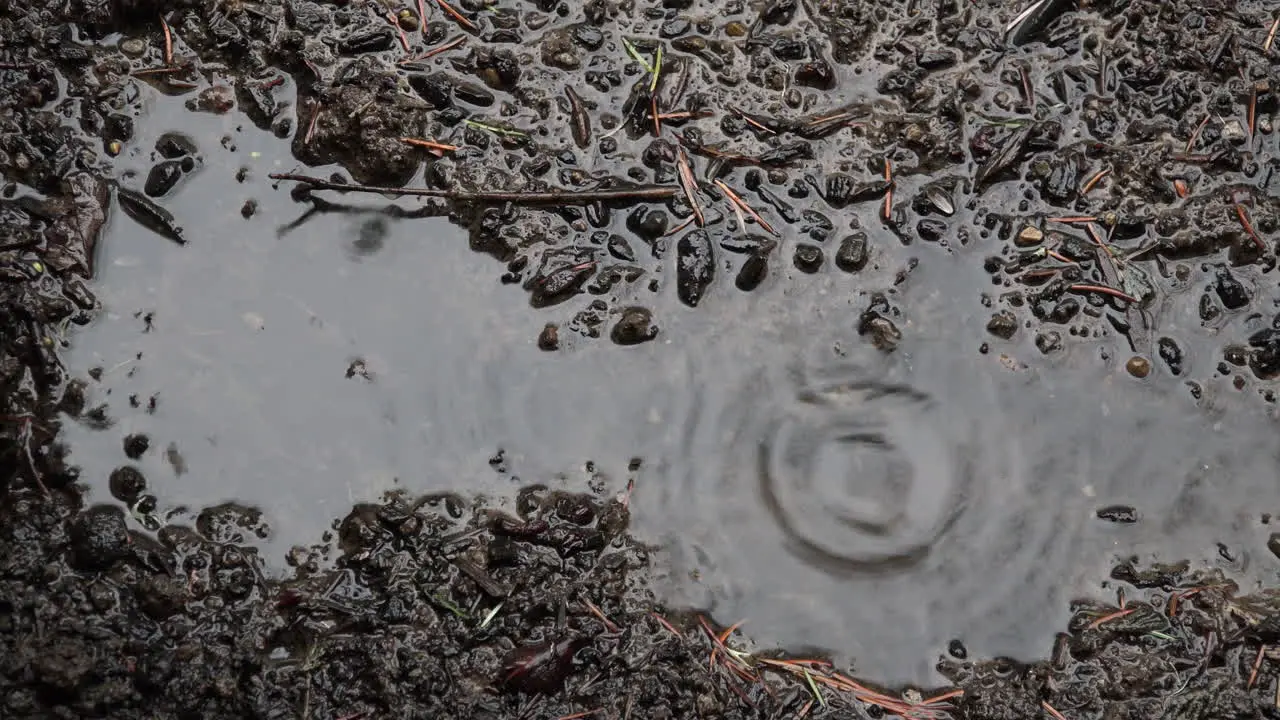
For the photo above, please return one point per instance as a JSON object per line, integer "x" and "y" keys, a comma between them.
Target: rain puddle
{"x": 873, "y": 504}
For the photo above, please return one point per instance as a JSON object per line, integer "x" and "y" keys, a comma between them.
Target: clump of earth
{"x": 1110, "y": 163}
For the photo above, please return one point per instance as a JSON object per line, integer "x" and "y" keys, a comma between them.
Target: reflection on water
{"x": 831, "y": 494}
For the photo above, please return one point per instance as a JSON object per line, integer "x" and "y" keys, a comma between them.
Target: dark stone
{"x": 162, "y": 178}
{"x": 695, "y": 267}
{"x": 673, "y": 28}
{"x": 1171, "y": 354}
{"x": 1003, "y": 325}
{"x": 1118, "y": 514}
{"x": 173, "y": 145}
{"x": 126, "y": 484}
{"x": 1048, "y": 341}
{"x": 99, "y": 538}
{"x": 852, "y": 254}
{"x": 1230, "y": 290}
{"x": 808, "y": 258}
{"x": 752, "y": 273}
{"x": 634, "y": 327}
{"x": 135, "y": 445}
{"x": 931, "y": 229}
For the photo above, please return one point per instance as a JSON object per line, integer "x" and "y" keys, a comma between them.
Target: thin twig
{"x": 1248, "y": 227}
{"x": 462, "y": 20}
{"x": 1266, "y": 46}
{"x": 1093, "y": 181}
{"x": 435, "y": 51}
{"x": 436, "y": 148}
{"x": 690, "y": 186}
{"x": 1257, "y": 663}
{"x": 168, "y": 42}
{"x": 404, "y": 40}
{"x": 1195, "y": 135}
{"x": 733, "y": 197}
{"x": 1049, "y": 709}
{"x": 546, "y": 197}
{"x": 1080, "y": 287}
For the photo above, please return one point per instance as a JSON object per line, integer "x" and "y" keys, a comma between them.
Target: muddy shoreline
{"x": 1112, "y": 163}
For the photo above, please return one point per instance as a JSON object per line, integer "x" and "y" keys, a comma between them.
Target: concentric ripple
{"x": 877, "y": 505}
{"x": 856, "y": 476}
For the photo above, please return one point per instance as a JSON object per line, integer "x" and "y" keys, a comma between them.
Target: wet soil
{"x": 893, "y": 328}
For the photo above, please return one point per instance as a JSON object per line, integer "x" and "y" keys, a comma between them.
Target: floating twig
{"x": 1103, "y": 289}
{"x": 422, "y": 16}
{"x": 690, "y": 185}
{"x": 1050, "y": 709}
{"x": 437, "y": 149}
{"x": 544, "y": 197}
{"x": 168, "y": 42}
{"x": 1257, "y": 663}
{"x": 653, "y": 112}
{"x": 1248, "y": 227}
{"x": 663, "y": 622}
{"x": 462, "y": 19}
{"x": 752, "y": 121}
{"x": 1271, "y": 36}
{"x": 739, "y": 202}
{"x": 1093, "y": 181}
{"x": 1195, "y": 134}
{"x": 435, "y": 51}
{"x": 404, "y": 40}
{"x": 608, "y": 624}
{"x": 888, "y": 194}
{"x": 1253, "y": 112}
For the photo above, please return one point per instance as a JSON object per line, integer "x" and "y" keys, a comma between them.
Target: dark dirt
{"x": 1106, "y": 171}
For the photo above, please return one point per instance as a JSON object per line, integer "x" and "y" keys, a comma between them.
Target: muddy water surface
{"x": 872, "y": 504}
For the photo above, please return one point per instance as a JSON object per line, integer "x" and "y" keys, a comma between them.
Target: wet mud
{"x": 664, "y": 359}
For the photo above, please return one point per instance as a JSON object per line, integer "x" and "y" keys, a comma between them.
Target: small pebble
{"x": 1138, "y": 366}
{"x": 549, "y": 338}
{"x": 1030, "y": 236}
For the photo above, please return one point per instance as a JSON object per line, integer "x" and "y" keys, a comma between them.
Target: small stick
{"x": 1049, "y": 709}
{"x": 685, "y": 115}
{"x": 580, "y": 715}
{"x": 1093, "y": 181}
{"x": 888, "y": 195}
{"x": 687, "y": 222}
{"x": 1257, "y": 663}
{"x": 1266, "y": 46}
{"x": 438, "y": 149}
{"x": 653, "y": 111}
{"x": 1195, "y": 135}
{"x": 311, "y": 126}
{"x": 462, "y": 20}
{"x": 608, "y": 624}
{"x": 745, "y": 207}
{"x": 168, "y": 42}
{"x": 1060, "y": 257}
{"x": 171, "y": 70}
{"x": 1248, "y": 227}
{"x": 690, "y": 186}
{"x": 958, "y": 692}
{"x": 828, "y": 118}
{"x": 1080, "y": 287}
{"x": 404, "y": 41}
{"x": 663, "y": 622}
{"x": 422, "y": 16}
{"x": 1253, "y": 113}
{"x": 435, "y": 51}
{"x": 753, "y": 122}
{"x": 1073, "y": 220}
{"x": 16, "y": 66}
{"x": 564, "y": 197}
